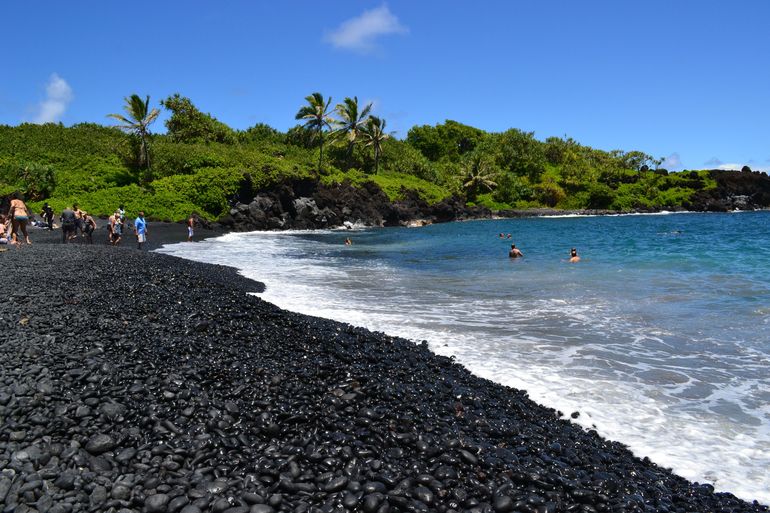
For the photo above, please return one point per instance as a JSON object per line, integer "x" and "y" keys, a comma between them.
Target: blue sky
{"x": 686, "y": 80}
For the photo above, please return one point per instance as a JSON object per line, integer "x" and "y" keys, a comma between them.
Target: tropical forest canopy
{"x": 200, "y": 163}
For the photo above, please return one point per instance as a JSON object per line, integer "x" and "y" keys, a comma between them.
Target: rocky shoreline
{"x": 139, "y": 382}
{"x": 309, "y": 204}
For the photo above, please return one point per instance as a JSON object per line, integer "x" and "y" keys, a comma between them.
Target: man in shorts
{"x": 89, "y": 225}
{"x": 68, "y": 225}
{"x": 78, "y": 219}
{"x": 140, "y": 229}
{"x": 116, "y": 229}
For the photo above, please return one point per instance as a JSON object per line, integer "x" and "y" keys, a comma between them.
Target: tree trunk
{"x": 350, "y": 154}
{"x": 320, "y": 157}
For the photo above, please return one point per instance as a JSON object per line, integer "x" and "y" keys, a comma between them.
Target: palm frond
{"x": 154, "y": 113}
{"x": 122, "y": 119}
{"x": 366, "y": 111}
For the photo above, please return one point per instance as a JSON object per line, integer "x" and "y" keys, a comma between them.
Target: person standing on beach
{"x": 78, "y": 219}
{"x": 140, "y": 229}
{"x": 116, "y": 230}
{"x": 515, "y": 252}
{"x": 19, "y": 214}
{"x": 47, "y": 215}
{"x": 89, "y": 225}
{"x": 67, "y": 225}
{"x": 110, "y": 222}
{"x": 190, "y": 227}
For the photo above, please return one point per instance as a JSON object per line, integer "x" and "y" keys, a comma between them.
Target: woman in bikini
{"x": 19, "y": 217}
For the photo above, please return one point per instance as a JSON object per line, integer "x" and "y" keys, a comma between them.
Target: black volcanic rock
{"x": 309, "y": 204}
{"x": 269, "y": 411}
{"x": 734, "y": 190}
{"x": 100, "y": 443}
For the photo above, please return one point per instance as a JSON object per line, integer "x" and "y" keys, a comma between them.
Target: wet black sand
{"x": 135, "y": 381}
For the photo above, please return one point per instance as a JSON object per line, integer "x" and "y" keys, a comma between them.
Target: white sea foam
{"x": 635, "y": 392}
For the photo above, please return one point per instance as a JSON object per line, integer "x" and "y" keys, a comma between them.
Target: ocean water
{"x": 659, "y": 337}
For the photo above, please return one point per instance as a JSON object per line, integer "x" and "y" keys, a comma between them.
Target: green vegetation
{"x": 200, "y": 164}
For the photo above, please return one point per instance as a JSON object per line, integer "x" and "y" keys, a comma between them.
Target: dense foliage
{"x": 201, "y": 163}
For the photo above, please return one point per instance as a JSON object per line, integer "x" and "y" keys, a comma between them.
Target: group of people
{"x": 516, "y": 253}
{"x": 75, "y": 219}
{"x": 75, "y": 223}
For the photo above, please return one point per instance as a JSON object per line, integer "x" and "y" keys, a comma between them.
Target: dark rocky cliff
{"x": 739, "y": 190}
{"x": 309, "y": 204}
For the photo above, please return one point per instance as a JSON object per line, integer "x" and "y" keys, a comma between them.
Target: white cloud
{"x": 58, "y": 97}
{"x": 359, "y": 34}
{"x": 713, "y": 162}
{"x": 672, "y": 162}
{"x": 730, "y": 166}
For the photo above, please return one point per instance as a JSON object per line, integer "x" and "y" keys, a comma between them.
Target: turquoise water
{"x": 659, "y": 337}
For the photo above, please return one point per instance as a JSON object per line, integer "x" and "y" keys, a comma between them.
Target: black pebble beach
{"x": 138, "y": 382}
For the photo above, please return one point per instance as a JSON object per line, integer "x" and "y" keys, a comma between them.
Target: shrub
{"x": 208, "y": 191}
{"x": 394, "y": 184}
{"x": 400, "y": 157}
{"x": 599, "y": 196}
{"x": 549, "y": 193}
{"x": 512, "y": 188}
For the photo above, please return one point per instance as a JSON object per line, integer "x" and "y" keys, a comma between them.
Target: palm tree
{"x": 316, "y": 116}
{"x": 478, "y": 176}
{"x": 351, "y": 123}
{"x": 373, "y": 135}
{"x": 138, "y": 122}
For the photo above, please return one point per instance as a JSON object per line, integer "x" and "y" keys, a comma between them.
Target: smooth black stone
{"x": 120, "y": 492}
{"x": 502, "y": 504}
{"x": 66, "y": 481}
{"x": 336, "y": 484}
{"x": 100, "y": 443}
{"x": 216, "y": 487}
{"x": 468, "y": 457}
{"x": 98, "y": 496}
{"x": 5, "y": 486}
{"x": 220, "y": 505}
{"x": 177, "y": 503}
{"x": 237, "y": 509}
{"x": 252, "y": 498}
{"x": 350, "y": 501}
{"x": 374, "y": 486}
{"x": 372, "y": 502}
{"x": 423, "y": 494}
{"x": 157, "y": 503}
{"x": 261, "y": 508}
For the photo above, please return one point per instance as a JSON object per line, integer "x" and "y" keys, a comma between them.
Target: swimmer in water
{"x": 573, "y": 256}
{"x": 515, "y": 252}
